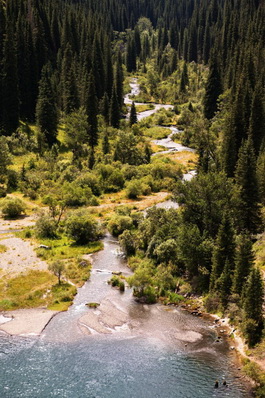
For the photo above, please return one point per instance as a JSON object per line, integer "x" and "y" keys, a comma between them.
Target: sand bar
{"x": 26, "y": 322}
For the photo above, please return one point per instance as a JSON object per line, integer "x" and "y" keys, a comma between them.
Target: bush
{"x": 13, "y": 208}
{"x": 118, "y": 224}
{"x": 2, "y": 191}
{"x": 81, "y": 228}
{"x": 134, "y": 189}
{"x": 127, "y": 243}
{"x": 46, "y": 227}
{"x": 115, "y": 281}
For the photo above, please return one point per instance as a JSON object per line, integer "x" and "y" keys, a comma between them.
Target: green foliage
{"x": 80, "y": 227}
{"x": 46, "y": 227}
{"x": 127, "y": 243}
{"x": 13, "y": 208}
{"x": 116, "y": 281}
{"x": 252, "y": 298}
{"x": 133, "y": 115}
{"x": 134, "y": 189}
{"x": 57, "y": 268}
{"x": 119, "y": 223}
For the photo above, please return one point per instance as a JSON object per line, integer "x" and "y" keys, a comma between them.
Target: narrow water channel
{"x": 149, "y": 351}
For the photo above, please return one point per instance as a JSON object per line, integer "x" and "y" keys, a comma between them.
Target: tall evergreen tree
{"x": 119, "y": 80}
{"x": 245, "y": 175}
{"x": 92, "y": 111}
{"x": 133, "y": 115}
{"x": 224, "y": 283}
{"x": 46, "y": 108}
{"x": 257, "y": 118}
{"x": 224, "y": 250}
{"x": 244, "y": 261}
{"x": 10, "y": 94}
{"x": 114, "y": 112}
{"x": 213, "y": 88}
{"x": 253, "y": 297}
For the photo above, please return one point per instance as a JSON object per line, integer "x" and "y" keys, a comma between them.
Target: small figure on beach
{"x": 225, "y": 383}
{"x": 216, "y": 385}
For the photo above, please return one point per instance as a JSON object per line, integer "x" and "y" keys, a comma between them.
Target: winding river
{"x": 120, "y": 349}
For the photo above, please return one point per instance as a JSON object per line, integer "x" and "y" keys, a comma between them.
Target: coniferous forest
{"x": 66, "y": 145}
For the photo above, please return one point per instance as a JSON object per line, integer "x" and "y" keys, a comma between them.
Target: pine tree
{"x": 131, "y": 55}
{"x": 105, "y": 144}
{"x": 245, "y": 176}
{"x": 104, "y": 107}
{"x": 184, "y": 81}
{"x": 92, "y": 111}
{"x": 46, "y": 108}
{"x": 224, "y": 284}
{"x": 224, "y": 250}
{"x": 119, "y": 80}
{"x": 244, "y": 261}
{"x": 133, "y": 115}
{"x": 253, "y": 297}
{"x": 69, "y": 90}
{"x": 261, "y": 176}
{"x": 257, "y": 118}
{"x": 213, "y": 88}
{"x": 10, "y": 94}
{"x": 114, "y": 112}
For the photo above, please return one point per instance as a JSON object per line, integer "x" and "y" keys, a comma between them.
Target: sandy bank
{"x": 29, "y": 322}
{"x": 19, "y": 257}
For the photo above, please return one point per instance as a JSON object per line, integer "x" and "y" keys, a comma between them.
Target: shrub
{"x": 81, "y": 228}
{"x": 13, "y": 208}
{"x": 115, "y": 281}
{"x": 127, "y": 243}
{"x": 134, "y": 189}
{"x": 46, "y": 227}
{"x": 118, "y": 224}
{"x": 2, "y": 191}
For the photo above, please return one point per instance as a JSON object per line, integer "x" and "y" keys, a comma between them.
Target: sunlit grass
{"x": 143, "y": 108}
{"x": 3, "y": 248}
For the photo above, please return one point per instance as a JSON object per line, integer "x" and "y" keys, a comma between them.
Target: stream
{"x": 148, "y": 352}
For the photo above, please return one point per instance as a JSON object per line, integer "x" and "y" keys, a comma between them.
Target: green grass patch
{"x": 63, "y": 248}
{"x": 172, "y": 298}
{"x": 62, "y": 296}
{"x": 78, "y": 271}
{"x": 29, "y": 290}
{"x": 35, "y": 289}
{"x": 143, "y": 108}
{"x": 157, "y": 132}
{"x": 3, "y": 248}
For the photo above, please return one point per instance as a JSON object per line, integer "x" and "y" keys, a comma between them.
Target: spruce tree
{"x": 245, "y": 176}
{"x": 261, "y": 176}
{"x": 92, "y": 111}
{"x": 257, "y": 118}
{"x": 253, "y": 298}
{"x": 104, "y": 107}
{"x": 119, "y": 80}
{"x": 244, "y": 261}
{"x": 133, "y": 115}
{"x": 224, "y": 250}
{"x": 10, "y": 94}
{"x": 46, "y": 108}
{"x": 213, "y": 88}
{"x": 224, "y": 284}
{"x": 114, "y": 111}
